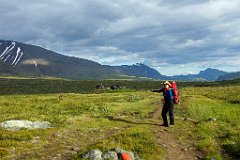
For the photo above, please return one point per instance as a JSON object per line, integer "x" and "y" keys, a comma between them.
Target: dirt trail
{"x": 168, "y": 139}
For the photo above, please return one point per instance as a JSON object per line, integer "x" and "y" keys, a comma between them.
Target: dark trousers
{"x": 168, "y": 107}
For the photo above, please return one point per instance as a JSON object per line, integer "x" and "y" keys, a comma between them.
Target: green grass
{"x": 85, "y": 120}
{"x": 138, "y": 139}
{"x": 104, "y": 119}
{"x": 220, "y": 137}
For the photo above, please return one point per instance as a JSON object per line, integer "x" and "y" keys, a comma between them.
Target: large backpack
{"x": 175, "y": 92}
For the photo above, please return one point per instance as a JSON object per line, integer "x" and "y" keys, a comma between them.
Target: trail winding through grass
{"x": 168, "y": 139}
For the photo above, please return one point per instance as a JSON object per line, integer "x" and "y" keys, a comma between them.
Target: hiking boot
{"x": 165, "y": 125}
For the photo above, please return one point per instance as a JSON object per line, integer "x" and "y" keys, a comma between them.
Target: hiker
{"x": 168, "y": 104}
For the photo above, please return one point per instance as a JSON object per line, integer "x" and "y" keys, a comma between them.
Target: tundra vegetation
{"x": 84, "y": 118}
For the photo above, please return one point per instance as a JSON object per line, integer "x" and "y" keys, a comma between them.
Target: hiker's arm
{"x": 157, "y": 90}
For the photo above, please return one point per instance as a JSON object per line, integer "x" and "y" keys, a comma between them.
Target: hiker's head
{"x": 166, "y": 84}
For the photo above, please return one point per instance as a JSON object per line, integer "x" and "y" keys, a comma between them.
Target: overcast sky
{"x": 172, "y": 36}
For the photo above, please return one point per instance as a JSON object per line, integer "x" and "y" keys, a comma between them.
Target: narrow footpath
{"x": 175, "y": 149}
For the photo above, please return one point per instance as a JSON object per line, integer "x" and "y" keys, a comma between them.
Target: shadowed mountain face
{"x": 211, "y": 74}
{"x": 30, "y": 60}
{"x": 206, "y": 75}
{"x": 21, "y": 59}
{"x": 229, "y": 76}
{"x": 139, "y": 70}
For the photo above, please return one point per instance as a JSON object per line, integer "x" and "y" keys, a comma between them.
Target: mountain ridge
{"x": 22, "y": 59}
{"x": 208, "y": 74}
{"x": 37, "y": 61}
{"x": 139, "y": 70}
{"x": 229, "y": 76}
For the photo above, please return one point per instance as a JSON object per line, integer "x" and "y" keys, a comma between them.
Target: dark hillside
{"x": 229, "y": 76}
{"x": 38, "y": 85}
{"x": 30, "y": 60}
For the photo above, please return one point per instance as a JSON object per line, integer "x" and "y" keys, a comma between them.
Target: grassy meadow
{"x": 79, "y": 121}
{"x": 216, "y": 111}
{"x": 84, "y": 118}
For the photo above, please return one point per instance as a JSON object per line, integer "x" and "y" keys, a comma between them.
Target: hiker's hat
{"x": 166, "y": 83}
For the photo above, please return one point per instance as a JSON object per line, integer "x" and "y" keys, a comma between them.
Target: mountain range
{"x": 229, "y": 76}
{"x": 207, "y": 75}
{"x": 20, "y": 59}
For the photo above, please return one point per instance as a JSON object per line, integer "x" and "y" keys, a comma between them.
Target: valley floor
{"x": 206, "y": 127}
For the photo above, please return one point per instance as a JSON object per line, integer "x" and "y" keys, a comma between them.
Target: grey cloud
{"x": 153, "y": 32}
{"x": 177, "y": 3}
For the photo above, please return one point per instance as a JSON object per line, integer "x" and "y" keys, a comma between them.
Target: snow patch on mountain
{"x": 18, "y": 56}
{"x": 35, "y": 61}
{"x": 7, "y": 50}
{"x": 9, "y": 55}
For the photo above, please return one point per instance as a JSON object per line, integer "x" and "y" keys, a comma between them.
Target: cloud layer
{"x": 174, "y": 37}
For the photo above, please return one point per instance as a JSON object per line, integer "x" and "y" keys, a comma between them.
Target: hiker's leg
{"x": 164, "y": 114}
{"x": 171, "y": 115}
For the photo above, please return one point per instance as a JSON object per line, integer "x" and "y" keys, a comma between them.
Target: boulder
{"x": 24, "y": 124}
{"x": 109, "y": 155}
{"x": 93, "y": 154}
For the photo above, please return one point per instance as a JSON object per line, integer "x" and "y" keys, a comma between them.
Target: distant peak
{"x": 136, "y": 64}
{"x": 210, "y": 69}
